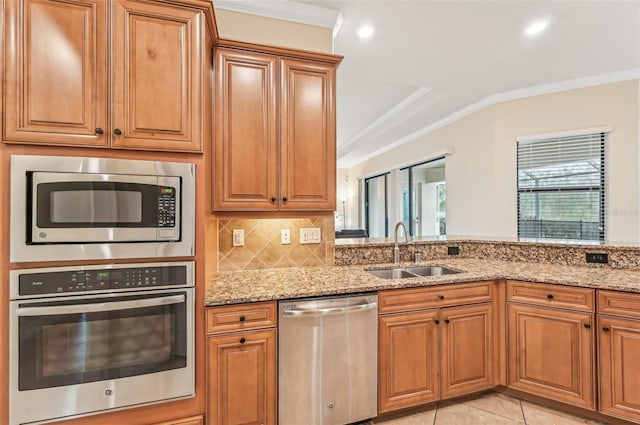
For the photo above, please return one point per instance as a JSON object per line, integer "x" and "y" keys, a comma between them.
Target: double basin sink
{"x": 403, "y": 273}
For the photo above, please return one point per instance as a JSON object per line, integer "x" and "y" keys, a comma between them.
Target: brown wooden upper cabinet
{"x": 275, "y": 136}
{"x": 116, "y": 73}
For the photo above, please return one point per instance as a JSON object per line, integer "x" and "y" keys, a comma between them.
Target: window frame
{"x": 601, "y": 188}
{"x": 411, "y": 194}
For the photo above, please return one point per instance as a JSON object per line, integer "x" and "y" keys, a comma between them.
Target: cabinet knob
{"x": 441, "y": 297}
{"x": 587, "y": 325}
{"x": 284, "y": 199}
{"x": 446, "y": 321}
{"x": 99, "y": 130}
{"x": 242, "y": 318}
{"x": 242, "y": 340}
{"x": 437, "y": 322}
{"x": 550, "y": 296}
{"x": 273, "y": 199}
{"x": 117, "y": 132}
{"x": 606, "y": 329}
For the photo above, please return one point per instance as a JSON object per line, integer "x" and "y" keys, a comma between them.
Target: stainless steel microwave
{"x": 80, "y": 208}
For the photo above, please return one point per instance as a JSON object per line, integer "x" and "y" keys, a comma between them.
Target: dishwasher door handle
{"x": 330, "y": 310}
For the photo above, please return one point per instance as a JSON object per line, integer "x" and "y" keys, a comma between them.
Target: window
{"x": 424, "y": 206}
{"x": 376, "y": 213}
{"x": 561, "y": 189}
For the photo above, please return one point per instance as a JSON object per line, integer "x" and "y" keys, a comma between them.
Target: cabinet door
{"x": 245, "y": 153}
{"x": 242, "y": 379}
{"x": 551, "y": 353}
{"x": 619, "y": 354}
{"x": 467, "y": 349}
{"x": 55, "y": 72}
{"x": 408, "y": 364}
{"x": 157, "y": 77}
{"x": 307, "y": 136}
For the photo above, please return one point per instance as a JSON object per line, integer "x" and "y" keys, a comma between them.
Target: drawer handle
{"x": 606, "y": 329}
{"x": 99, "y": 130}
{"x": 550, "y": 296}
{"x": 446, "y": 321}
{"x": 437, "y": 322}
{"x": 117, "y": 132}
{"x": 587, "y": 325}
{"x": 441, "y": 297}
{"x": 284, "y": 199}
{"x": 242, "y": 318}
{"x": 242, "y": 340}
{"x": 273, "y": 199}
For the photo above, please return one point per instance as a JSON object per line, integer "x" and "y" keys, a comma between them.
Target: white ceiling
{"x": 430, "y": 62}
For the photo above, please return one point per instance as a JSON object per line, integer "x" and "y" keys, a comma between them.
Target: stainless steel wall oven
{"x": 87, "y": 339}
{"x": 93, "y": 208}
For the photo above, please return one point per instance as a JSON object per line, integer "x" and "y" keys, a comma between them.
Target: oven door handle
{"x": 97, "y": 307}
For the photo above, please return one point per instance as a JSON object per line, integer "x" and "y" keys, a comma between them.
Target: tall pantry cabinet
{"x": 275, "y": 134}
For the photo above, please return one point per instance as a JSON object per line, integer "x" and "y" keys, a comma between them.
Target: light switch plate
{"x": 310, "y": 235}
{"x": 238, "y": 237}
{"x": 285, "y": 236}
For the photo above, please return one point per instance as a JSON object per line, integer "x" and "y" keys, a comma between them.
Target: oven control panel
{"x": 81, "y": 280}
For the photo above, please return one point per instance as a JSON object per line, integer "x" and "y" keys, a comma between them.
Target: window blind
{"x": 561, "y": 188}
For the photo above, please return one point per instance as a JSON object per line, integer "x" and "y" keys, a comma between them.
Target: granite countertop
{"x": 297, "y": 282}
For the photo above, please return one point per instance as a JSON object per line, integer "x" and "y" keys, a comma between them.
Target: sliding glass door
{"x": 376, "y": 209}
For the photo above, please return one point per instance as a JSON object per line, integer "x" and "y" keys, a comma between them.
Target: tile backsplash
{"x": 263, "y": 248}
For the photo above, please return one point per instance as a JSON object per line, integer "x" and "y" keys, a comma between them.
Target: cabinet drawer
{"x": 399, "y": 300}
{"x": 194, "y": 420}
{"x": 619, "y": 303}
{"x": 551, "y": 295}
{"x": 239, "y": 317}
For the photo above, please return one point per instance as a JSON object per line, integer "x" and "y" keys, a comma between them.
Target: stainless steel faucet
{"x": 396, "y": 249}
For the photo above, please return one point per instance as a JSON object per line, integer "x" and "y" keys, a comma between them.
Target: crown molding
{"x": 560, "y": 86}
{"x": 415, "y": 101}
{"x": 287, "y": 11}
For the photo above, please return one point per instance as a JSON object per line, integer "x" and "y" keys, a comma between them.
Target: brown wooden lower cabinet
{"x": 619, "y": 361}
{"x": 551, "y": 353}
{"x": 242, "y": 378}
{"x": 432, "y": 354}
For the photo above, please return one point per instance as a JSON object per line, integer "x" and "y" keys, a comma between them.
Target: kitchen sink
{"x": 391, "y": 273}
{"x": 431, "y": 271}
{"x": 397, "y": 273}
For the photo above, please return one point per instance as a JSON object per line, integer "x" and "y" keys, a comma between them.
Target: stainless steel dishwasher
{"x": 327, "y": 360}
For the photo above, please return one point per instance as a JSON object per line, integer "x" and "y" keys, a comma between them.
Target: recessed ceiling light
{"x": 536, "y": 28}
{"x": 365, "y": 31}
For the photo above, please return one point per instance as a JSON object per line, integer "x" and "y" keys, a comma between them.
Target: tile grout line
{"x": 435, "y": 414}
{"x": 524, "y": 418}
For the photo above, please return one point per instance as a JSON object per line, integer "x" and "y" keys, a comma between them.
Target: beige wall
{"x": 276, "y": 32}
{"x": 481, "y": 171}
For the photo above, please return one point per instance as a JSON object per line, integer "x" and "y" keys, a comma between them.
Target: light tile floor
{"x": 489, "y": 409}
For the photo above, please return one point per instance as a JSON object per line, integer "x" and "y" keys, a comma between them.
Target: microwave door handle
{"x": 92, "y": 308}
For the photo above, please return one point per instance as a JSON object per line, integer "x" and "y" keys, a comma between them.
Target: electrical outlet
{"x": 238, "y": 237}
{"x": 285, "y": 236}
{"x": 310, "y": 235}
{"x": 453, "y": 250}
{"x": 599, "y": 258}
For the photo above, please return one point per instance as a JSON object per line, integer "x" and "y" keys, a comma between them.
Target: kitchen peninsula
{"x": 541, "y": 298}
